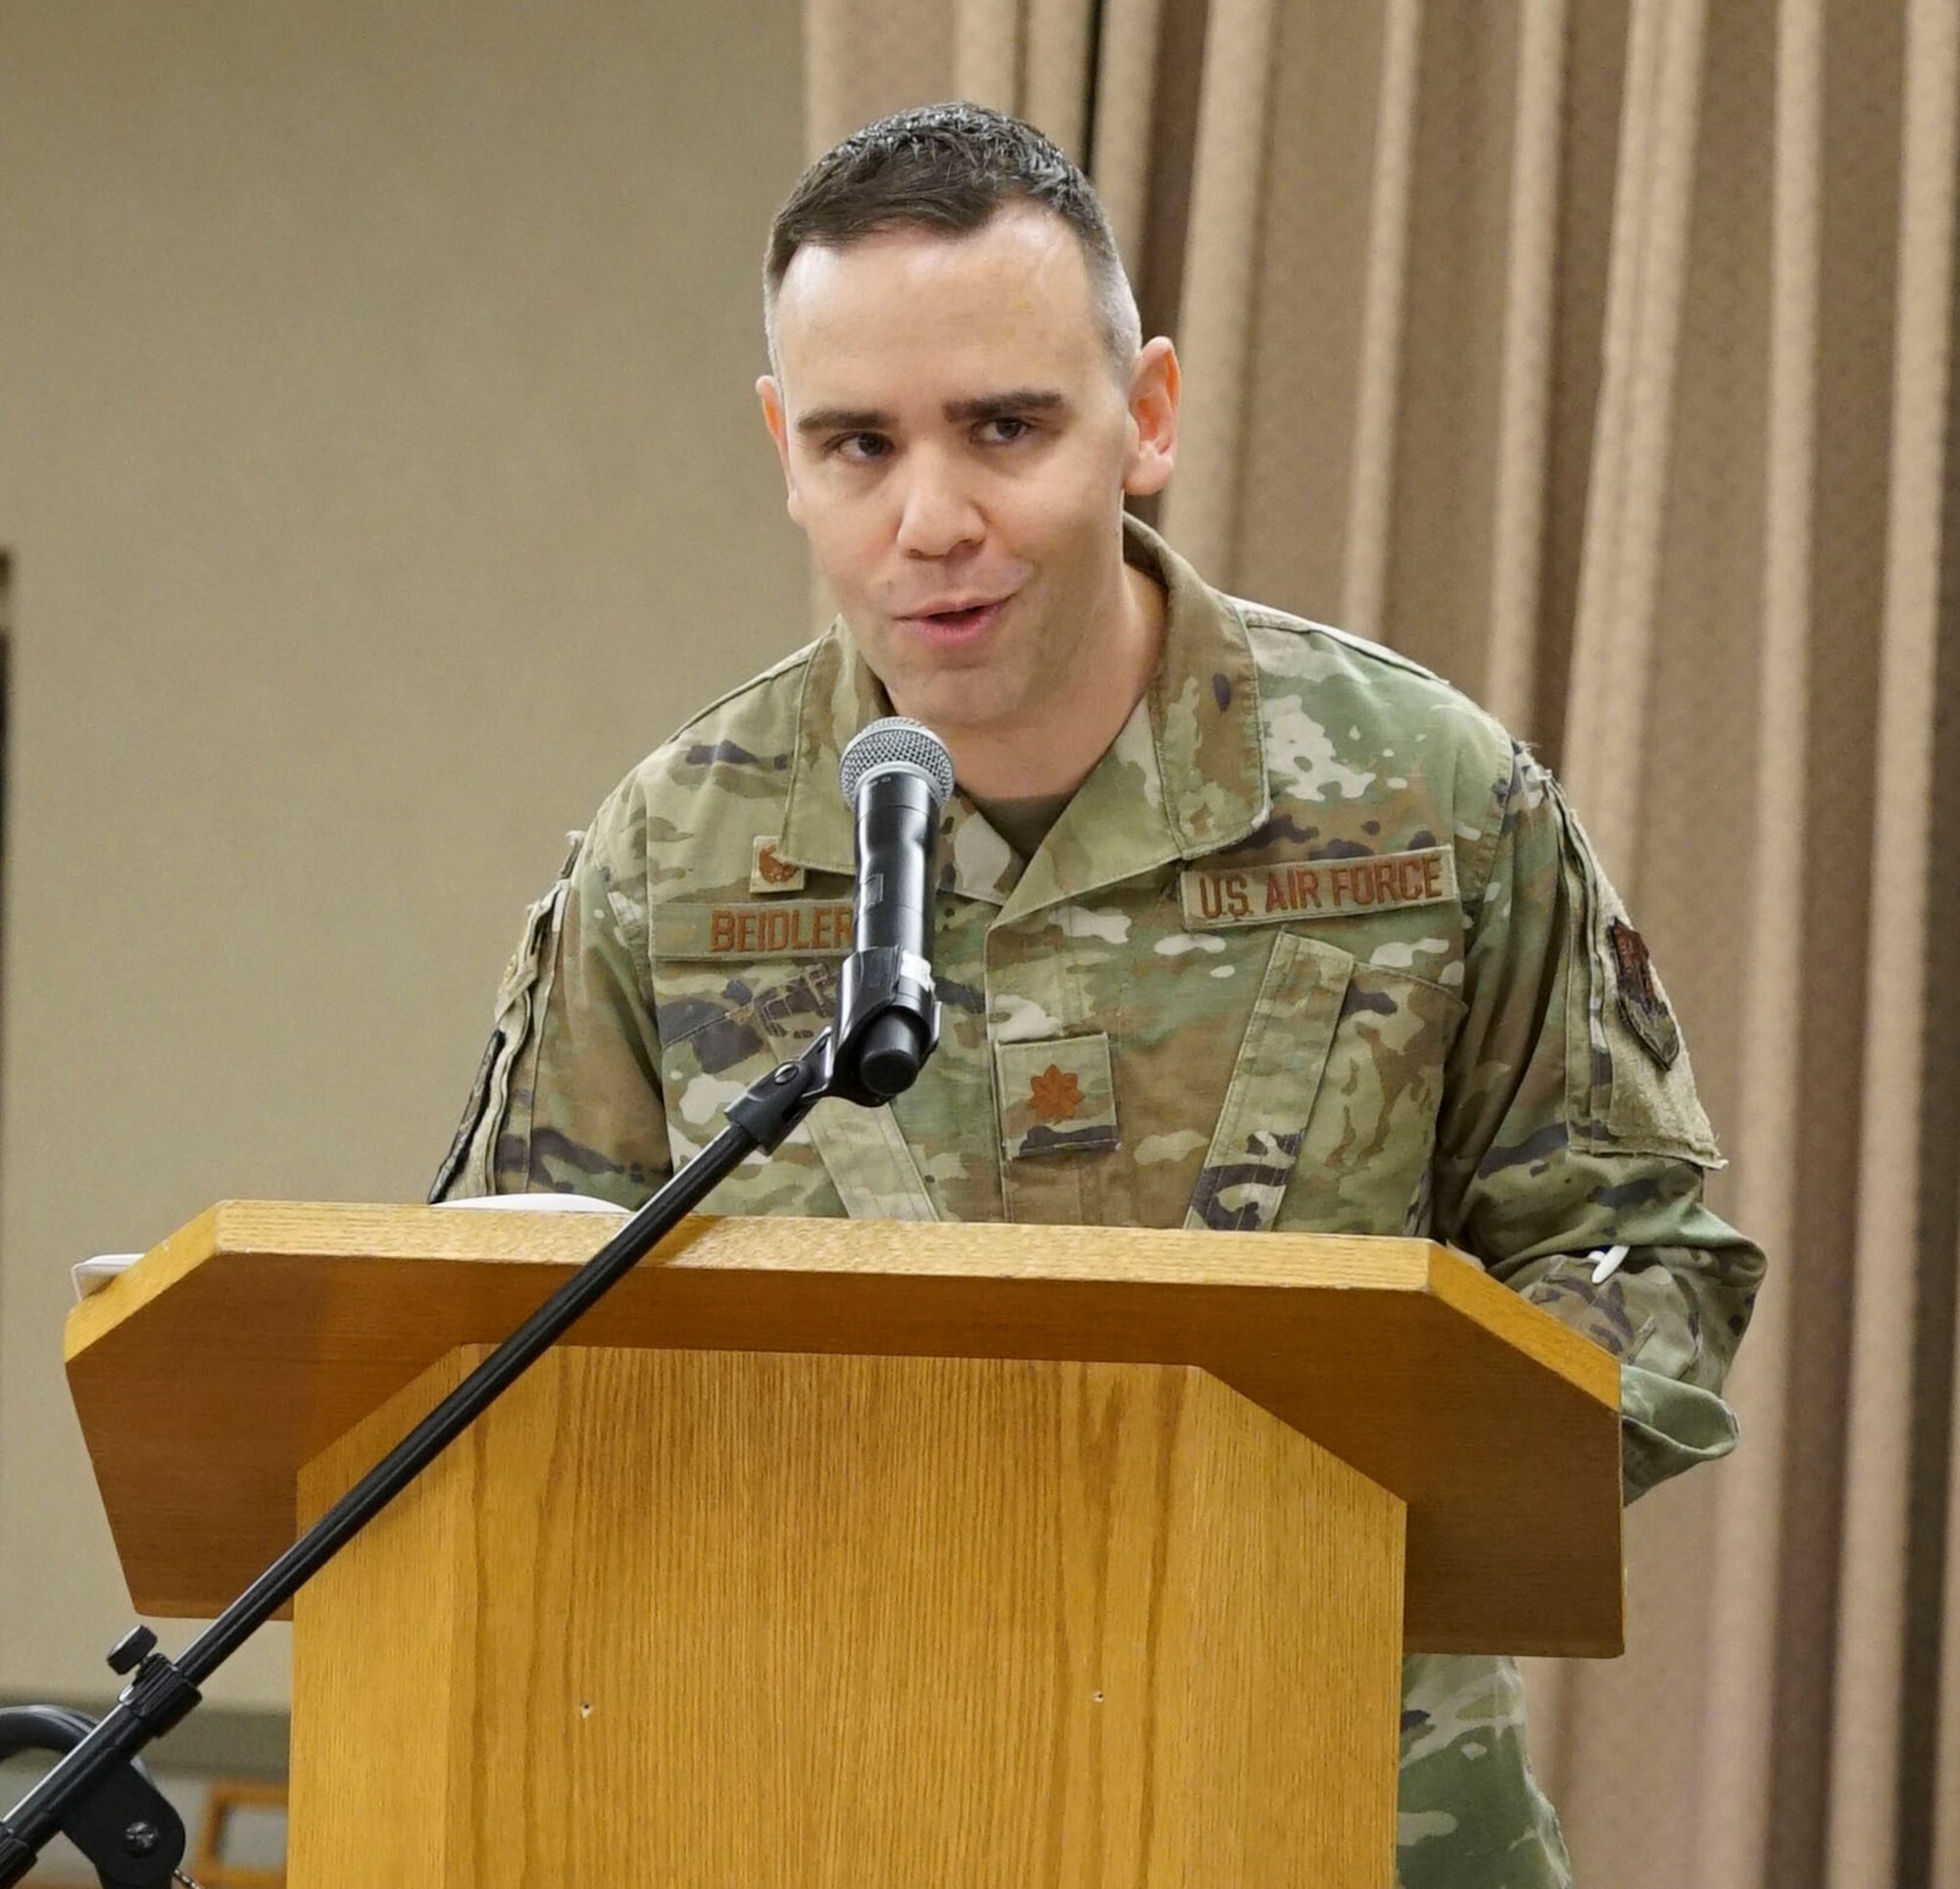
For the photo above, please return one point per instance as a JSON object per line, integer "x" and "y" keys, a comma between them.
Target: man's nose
{"x": 936, "y": 515}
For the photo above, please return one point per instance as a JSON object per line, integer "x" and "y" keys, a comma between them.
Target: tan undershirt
{"x": 1023, "y": 823}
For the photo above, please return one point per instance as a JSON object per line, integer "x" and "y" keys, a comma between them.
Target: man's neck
{"x": 1055, "y": 752}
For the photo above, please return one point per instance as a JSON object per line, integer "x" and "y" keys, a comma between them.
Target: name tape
{"x": 1288, "y": 889}
{"x": 783, "y": 928}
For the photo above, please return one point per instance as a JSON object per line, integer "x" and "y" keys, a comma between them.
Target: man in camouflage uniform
{"x": 1243, "y": 922}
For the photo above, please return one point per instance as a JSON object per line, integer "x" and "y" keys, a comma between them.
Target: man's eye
{"x": 1006, "y": 429}
{"x": 860, "y": 447}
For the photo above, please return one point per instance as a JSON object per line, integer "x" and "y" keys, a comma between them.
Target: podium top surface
{"x": 260, "y": 1333}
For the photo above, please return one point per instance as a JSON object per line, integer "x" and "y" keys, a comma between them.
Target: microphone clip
{"x": 887, "y": 1025}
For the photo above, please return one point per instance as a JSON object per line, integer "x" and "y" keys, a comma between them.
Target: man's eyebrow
{"x": 985, "y": 406}
{"x": 1021, "y": 400}
{"x": 844, "y": 419}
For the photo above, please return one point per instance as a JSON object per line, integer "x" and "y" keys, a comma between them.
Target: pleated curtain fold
{"x": 1599, "y": 353}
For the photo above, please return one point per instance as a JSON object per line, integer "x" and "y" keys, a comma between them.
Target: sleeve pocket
{"x": 469, "y": 1167}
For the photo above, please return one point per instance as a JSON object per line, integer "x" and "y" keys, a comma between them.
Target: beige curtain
{"x": 1601, "y": 355}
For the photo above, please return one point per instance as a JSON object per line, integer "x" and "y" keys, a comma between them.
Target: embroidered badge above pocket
{"x": 1285, "y": 891}
{"x": 1056, "y": 1096}
{"x": 769, "y": 873}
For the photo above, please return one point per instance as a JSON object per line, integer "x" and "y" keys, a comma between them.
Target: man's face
{"x": 957, "y": 446}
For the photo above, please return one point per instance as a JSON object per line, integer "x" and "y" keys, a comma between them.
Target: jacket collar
{"x": 1184, "y": 778}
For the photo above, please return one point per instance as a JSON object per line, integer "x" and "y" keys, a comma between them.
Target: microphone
{"x": 896, "y": 775}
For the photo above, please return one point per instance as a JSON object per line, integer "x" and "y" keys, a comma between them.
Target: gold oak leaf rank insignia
{"x": 1055, "y": 1094}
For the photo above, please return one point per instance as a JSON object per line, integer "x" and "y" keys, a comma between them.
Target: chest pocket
{"x": 720, "y": 1051}
{"x": 1329, "y": 1117}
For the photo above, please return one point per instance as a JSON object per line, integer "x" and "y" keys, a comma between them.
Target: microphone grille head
{"x": 897, "y": 742}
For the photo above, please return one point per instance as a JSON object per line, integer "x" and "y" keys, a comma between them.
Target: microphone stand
{"x": 887, "y": 1025}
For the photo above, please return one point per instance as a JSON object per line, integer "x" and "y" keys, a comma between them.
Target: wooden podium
{"x": 857, "y": 1553}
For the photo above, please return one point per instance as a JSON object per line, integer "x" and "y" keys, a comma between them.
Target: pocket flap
{"x": 1272, "y": 1087}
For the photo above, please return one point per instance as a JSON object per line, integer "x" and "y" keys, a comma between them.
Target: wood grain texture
{"x": 260, "y": 1333}
{"x": 702, "y": 1618}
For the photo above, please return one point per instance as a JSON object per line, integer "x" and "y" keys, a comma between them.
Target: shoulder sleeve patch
{"x": 1643, "y": 1003}
{"x": 1630, "y": 1083}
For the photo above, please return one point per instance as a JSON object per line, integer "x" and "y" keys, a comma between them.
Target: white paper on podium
{"x": 92, "y": 1275}
{"x": 538, "y": 1203}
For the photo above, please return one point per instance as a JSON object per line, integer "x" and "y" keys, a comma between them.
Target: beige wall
{"x": 380, "y": 464}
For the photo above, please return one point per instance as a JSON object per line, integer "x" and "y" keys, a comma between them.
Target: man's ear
{"x": 770, "y": 394}
{"x": 1154, "y": 385}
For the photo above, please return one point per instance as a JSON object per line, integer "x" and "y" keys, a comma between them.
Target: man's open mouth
{"x": 969, "y": 619}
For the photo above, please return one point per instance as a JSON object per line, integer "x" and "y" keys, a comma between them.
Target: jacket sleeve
{"x": 568, "y": 1097}
{"x": 1572, "y": 1149}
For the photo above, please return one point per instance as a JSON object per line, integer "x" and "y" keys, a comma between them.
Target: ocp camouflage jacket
{"x": 1315, "y": 947}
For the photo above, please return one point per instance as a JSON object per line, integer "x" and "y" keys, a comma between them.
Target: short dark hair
{"x": 951, "y": 168}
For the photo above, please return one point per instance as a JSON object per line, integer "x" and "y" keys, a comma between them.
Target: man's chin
{"x": 949, "y": 704}
{"x": 951, "y": 682}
